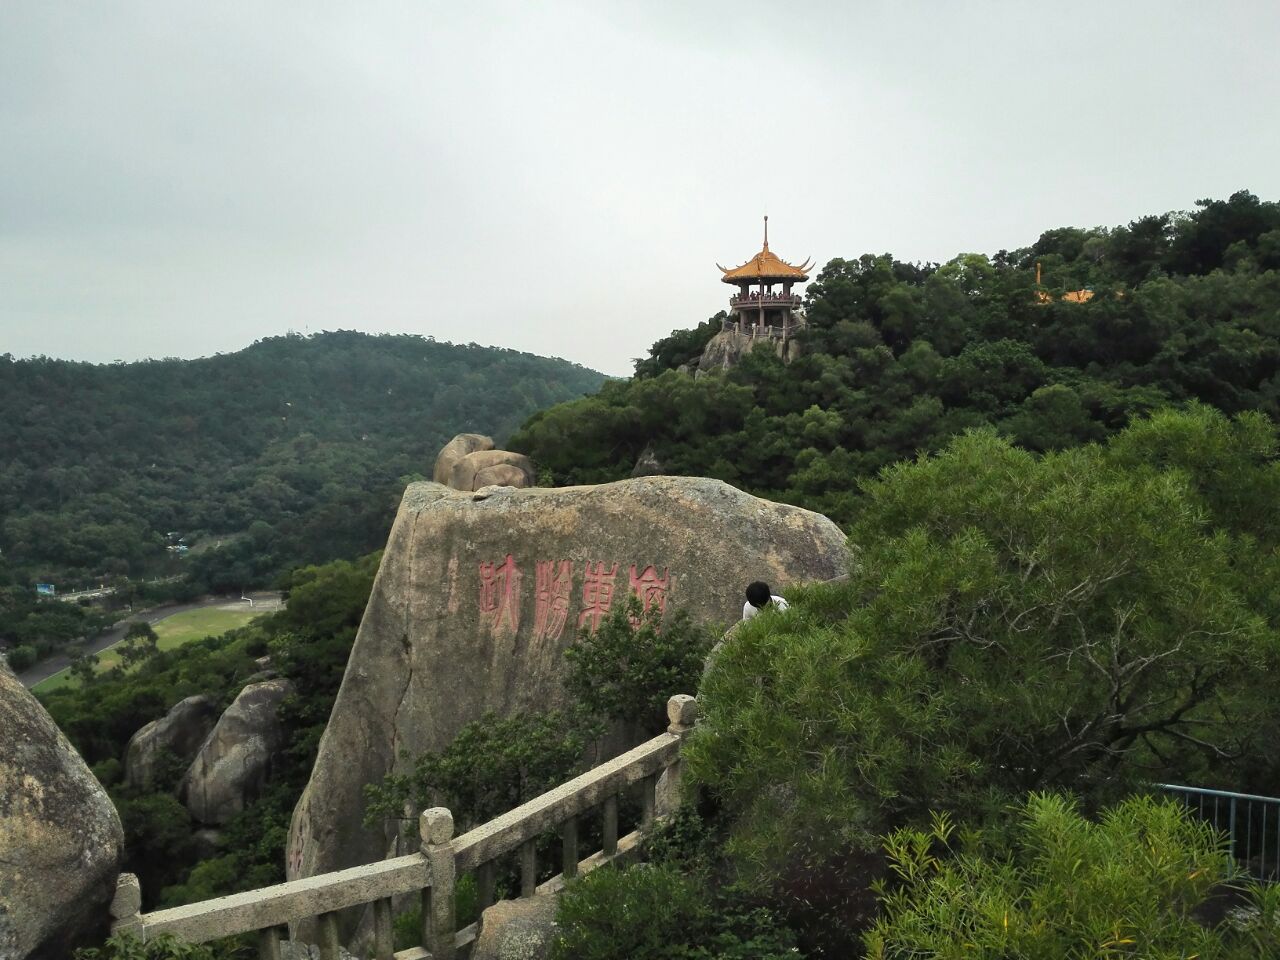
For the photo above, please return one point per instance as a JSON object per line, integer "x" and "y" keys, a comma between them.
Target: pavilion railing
{"x": 749, "y": 328}
{"x": 433, "y": 871}
{"x": 768, "y": 300}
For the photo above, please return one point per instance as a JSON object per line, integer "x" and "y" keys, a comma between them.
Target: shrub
{"x": 109, "y": 772}
{"x": 1062, "y": 887}
{"x": 628, "y": 668}
{"x": 492, "y": 765}
{"x": 655, "y": 911}
{"x": 164, "y": 947}
{"x": 21, "y": 657}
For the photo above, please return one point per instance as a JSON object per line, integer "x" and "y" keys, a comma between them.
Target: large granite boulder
{"x": 455, "y": 450}
{"x": 237, "y": 758}
{"x": 486, "y": 468}
{"x": 179, "y": 733}
{"x": 60, "y": 837}
{"x": 726, "y": 349}
{"x": 478, "y": 596}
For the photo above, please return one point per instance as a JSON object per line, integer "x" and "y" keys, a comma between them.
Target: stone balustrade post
{"x": 439, "y": 910}
{"x": 126, "y": 905}
{"x": 682, "y": 714}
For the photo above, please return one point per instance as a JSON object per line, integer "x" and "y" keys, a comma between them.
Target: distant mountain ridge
{"x": 298, "y": 443}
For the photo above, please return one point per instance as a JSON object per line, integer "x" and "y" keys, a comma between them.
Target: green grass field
{"x": 173, "y": 632}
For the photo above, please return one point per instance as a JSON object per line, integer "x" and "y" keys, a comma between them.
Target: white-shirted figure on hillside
{"x": 760, "y": 597}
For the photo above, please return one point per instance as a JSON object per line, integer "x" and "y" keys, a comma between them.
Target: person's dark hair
{"x": 758, "y": 594}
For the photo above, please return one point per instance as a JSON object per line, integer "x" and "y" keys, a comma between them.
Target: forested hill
{"x": 899, "y": 357}
{"x": 289, "y": 451}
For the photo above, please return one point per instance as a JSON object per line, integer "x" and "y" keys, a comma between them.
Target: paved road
{"x": 114, "y": 634}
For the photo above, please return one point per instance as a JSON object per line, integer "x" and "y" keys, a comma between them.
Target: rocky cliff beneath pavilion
{"x": 480, "y": 593}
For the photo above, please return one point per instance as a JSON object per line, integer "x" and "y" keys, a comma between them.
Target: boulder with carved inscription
{"x": 479, "y": 595}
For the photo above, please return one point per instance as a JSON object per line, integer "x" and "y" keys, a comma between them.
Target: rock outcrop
{"x": 179, "y": 733}
{"x": 455, "y": 450}
{"x": 486, "y": 468}
{"x": 468, "y": 462}
{"x": 236, "y": 759}
{"x": 60, "y": 837}
{"x": 479, "y": 595}
{"x": 727, "y": 348}
{"x": 517, "y": 929}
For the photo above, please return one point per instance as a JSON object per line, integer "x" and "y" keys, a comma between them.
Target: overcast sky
{"x": 182, "y": 178}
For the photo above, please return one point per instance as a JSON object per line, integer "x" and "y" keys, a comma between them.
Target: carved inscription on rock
{"x": 500, "y": 593}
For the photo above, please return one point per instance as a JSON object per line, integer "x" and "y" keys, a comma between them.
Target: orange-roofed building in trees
{"x": 765, "y": 310}
{"x": 1043, "y": 297}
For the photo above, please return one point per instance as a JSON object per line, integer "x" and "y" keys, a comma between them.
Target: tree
{"x": 493, "y": 765}
{"x": 626, "y": 670}
{"x": 84, "y": 667}
{"x": 140, "y": 643}
{"x": 1011, "y": 623}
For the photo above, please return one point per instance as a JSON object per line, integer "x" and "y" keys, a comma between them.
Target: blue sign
{"x": 46, "y": 589}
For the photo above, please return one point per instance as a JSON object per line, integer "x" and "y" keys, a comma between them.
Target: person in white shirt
{"x": 760, "y": 597}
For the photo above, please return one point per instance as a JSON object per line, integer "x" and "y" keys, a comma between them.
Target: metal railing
{"x": 1250, "y": 823}
{"x": 432, "y": 872}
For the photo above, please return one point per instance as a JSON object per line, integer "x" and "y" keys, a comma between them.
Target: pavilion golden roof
{"x": 766, "y": 265}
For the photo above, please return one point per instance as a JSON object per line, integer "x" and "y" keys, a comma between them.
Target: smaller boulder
{"x": 455, "y": 450}
{"x": 501, "y": 475}
{"x": 236, "y": 760}
{"x": 481, "y": 469}
{"x": 179, "y": 732}
{"x": 517, "y": 929}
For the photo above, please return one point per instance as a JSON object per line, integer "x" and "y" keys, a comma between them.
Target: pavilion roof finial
{"x": 766, "y": 265}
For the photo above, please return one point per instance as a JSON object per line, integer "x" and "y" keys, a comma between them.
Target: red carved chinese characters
{"x": 651, "y": 588}
{"x": 554, "y": 581}
{"x": 597, "y": 593}
{"x": 500, "y": 595}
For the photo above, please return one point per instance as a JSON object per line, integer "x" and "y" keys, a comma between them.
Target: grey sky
{"x": 181, "y": 178}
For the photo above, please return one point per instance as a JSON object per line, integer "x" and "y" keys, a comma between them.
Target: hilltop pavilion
{"x": 765, "y": 311}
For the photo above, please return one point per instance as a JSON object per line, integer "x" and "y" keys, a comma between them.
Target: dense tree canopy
{"x": 290, "y": 451}
{"x": 898, "y": 358}
{"x": 1089, "y": 621}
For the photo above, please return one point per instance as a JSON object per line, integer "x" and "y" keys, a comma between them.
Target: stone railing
{"x": 747, "y": 328}
{"x": 432, "y": 872}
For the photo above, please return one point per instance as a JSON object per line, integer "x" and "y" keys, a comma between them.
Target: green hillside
{"x": 900, "y": 357}
{"x": 291, "y": 450}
